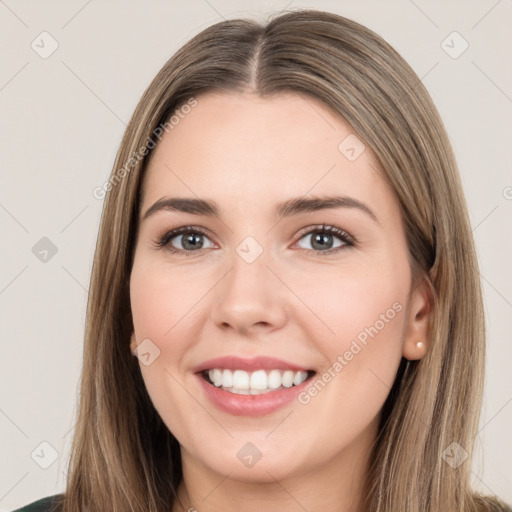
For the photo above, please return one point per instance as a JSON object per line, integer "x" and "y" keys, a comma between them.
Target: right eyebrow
{"x": 185, "y": 205}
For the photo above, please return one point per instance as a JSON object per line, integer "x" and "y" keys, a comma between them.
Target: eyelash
{"x": 348, "y": 240}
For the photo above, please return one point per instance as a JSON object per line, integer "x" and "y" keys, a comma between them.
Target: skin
{"x": 248, "y": 154}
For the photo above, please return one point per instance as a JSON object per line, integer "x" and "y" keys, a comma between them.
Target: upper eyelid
{"x": 325, "y": 227}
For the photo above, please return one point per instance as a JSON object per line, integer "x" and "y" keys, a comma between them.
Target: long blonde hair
{"x": 123, "y": 457}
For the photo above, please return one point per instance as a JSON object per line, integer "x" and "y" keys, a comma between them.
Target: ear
{"x": 417, "y": 329}
{"x": 133, "y": 343}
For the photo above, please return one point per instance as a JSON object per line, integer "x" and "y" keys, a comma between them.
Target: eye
{"x": 185, "y": 240}
{"x": 322, "y": 239}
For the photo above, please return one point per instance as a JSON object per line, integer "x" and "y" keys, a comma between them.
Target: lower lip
{"x": 250, "y": 405}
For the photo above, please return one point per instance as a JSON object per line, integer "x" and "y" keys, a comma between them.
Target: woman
{"x": 286, "y": 250}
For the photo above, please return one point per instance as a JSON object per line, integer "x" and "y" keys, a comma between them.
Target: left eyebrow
{"x": 313, "y": 204}
{"x": 285, "y": 209}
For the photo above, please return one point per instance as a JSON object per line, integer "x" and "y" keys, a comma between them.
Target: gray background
{"x": 61, "y": 121}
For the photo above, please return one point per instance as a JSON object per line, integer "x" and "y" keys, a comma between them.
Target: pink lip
{"x": 250, "y": 405}
{"x": 249, "y": 365}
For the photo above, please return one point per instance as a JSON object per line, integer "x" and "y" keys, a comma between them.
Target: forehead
{"x": 242, "y": 147}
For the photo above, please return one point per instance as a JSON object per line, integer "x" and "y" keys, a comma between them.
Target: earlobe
{"x": 415, "y": 352}
{"x": 417, "y": 330}
{"x": 133, "y": 343}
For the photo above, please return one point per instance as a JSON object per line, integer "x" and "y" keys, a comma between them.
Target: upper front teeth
{"x": 260, "y": 380}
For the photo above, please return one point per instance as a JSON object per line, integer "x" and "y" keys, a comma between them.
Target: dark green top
{"x": 48, "y": 504}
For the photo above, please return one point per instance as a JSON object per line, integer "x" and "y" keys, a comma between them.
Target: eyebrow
{"x": 285, "y": 209}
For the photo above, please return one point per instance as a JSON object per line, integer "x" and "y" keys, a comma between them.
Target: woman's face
{"x": 297, "y": 269}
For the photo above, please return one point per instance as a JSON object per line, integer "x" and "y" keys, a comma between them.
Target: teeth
{"x": 299, "y": 378}
{"x": 227, "y": 379}
{"x": 217, "y": 377}
{"x": 287, "y": 379}
{"x": 258, "y": 380}
{"x": 274, "y": 379}
{"x": 240, "y": 379}
{"x": 255, "y": 383}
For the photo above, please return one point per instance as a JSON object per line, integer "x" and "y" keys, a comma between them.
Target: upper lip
{"x": 252, "y": 364}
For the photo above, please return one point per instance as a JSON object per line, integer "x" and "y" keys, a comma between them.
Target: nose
{"x": 250, "y": 298}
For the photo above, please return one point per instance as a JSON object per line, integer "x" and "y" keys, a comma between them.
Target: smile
{"x": 251, "y": 386}
{"x": 258, "y": 382}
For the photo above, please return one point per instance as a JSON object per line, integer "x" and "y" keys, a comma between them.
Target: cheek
{"x": 162, "y": 305}
{"x": 350, "y": 303}
{"x": 362, "y": 358}
{"x": 163, "y": 302}
{"x": 359, "y": 328}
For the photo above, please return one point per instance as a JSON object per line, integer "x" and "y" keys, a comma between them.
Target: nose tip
{"x": 249, "y": 298}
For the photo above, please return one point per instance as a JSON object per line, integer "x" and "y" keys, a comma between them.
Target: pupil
{"x": 192, "y": 241}
{"x": 322, "y": 240}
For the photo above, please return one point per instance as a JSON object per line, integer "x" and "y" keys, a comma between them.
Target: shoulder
{"x": 48, "y": 504}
